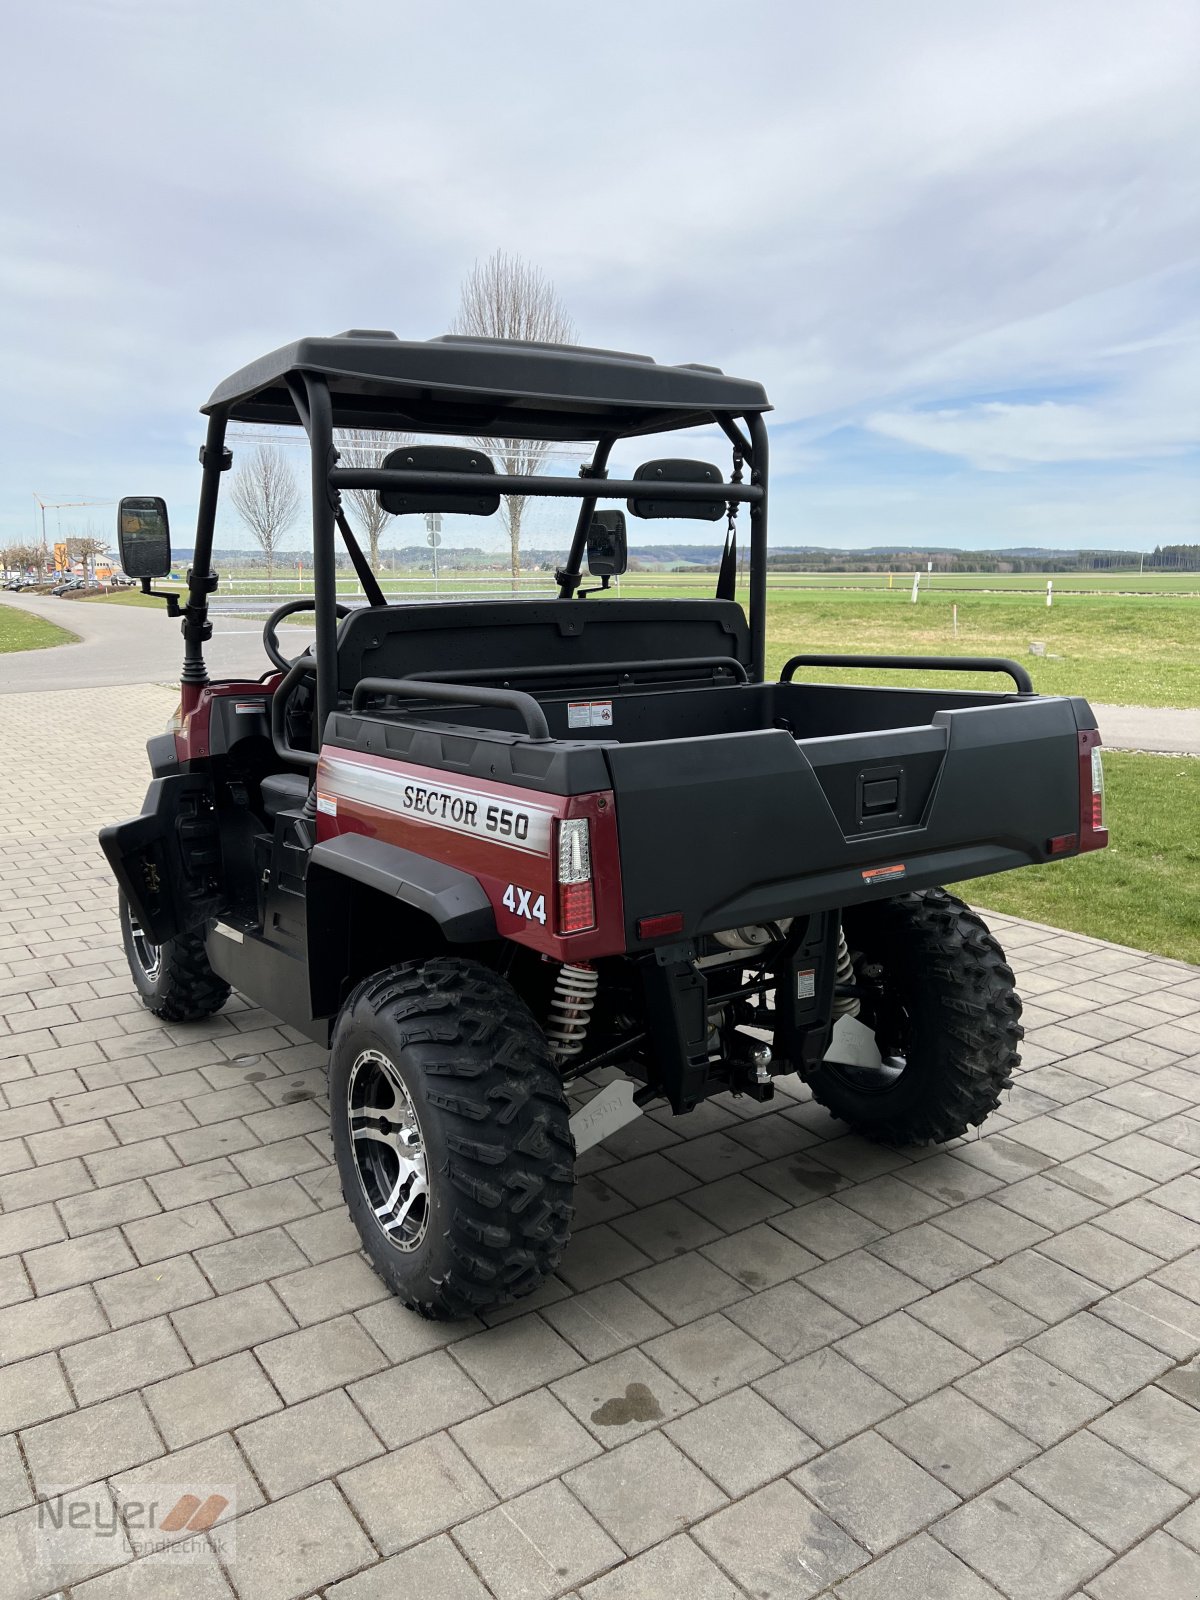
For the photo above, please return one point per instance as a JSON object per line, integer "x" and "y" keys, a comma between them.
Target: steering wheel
{"x": 271, "y": 643}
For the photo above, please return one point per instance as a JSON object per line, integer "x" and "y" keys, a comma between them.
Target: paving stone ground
{"x": 777, "y": 1361}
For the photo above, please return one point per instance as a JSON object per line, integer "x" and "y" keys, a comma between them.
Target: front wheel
{"x": 934, "y": 987}
{"x": 451, "y": 1135}
{"x": 174, "y": 979}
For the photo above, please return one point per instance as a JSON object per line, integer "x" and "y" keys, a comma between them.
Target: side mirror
{"x": 144, "y": 536}
{"x": 607, "y": 546}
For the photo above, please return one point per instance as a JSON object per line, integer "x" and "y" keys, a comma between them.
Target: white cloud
{"x": 908, "y": 214}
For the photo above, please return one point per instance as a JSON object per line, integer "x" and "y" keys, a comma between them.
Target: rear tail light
{"x": 1093, "y": 834}
{"x": 576, "y": 896}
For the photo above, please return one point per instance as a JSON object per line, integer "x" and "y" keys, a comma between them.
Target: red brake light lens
{"x": 576, "y": 898}
{"x": 1093, "y": 834}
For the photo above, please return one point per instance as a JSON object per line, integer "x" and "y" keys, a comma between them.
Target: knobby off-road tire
{"x": 174, "y": 979}
{"x": 952, "y": 1010}
{"x": 478, "y": 1108}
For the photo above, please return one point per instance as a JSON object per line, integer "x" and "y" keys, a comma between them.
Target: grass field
{"x": 1112, "y": 646}
{"x": 1144, "y": 890}
{"x": 21, "y": 630}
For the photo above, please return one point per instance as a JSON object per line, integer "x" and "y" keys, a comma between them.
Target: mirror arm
{"x": 174, "y": 609}
{"x": 568, "y": 578}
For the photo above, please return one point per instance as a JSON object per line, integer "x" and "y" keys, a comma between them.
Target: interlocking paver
{"x": 210, "y": 1400}
{"x": 790, "y": 1320}
{"x": 1161, "y": 1567}
{"x": 424, "y": 1396}
{"x": 286, "y": 1549}
{"x": 33, "y": 1569}
{"x": 147, "y": 1291}
{"x": 930, "y": 1255}
{"x": 711, "y": 1357}
{"x": 49, "y": 1322}
{"x": 15, "y": 1489}
{"x": 515, "y": 1357}
{"x": 90, "y": 1444}
{"x": 958, "y": 1441}
{"x": 845, "y": 1483}
{"x": 115, "y": 1363}
{"x": 622, "y": 1396}
{"x": 1035, "y": 1397}
{"x": 31, "y": 1391}
{"x": 161, "y": 1576}
{"x": 741, "y": 1442}
{"x": 827, "y": 1397}
{"x": 1101, "y": 1355}
{"x": 614, "y": 1489}
{"x": 776, "y": 1542}
{"x": 411, "y": 1494}
{"x": 1158, "y": 1430}
{"x": 827, "y": 1228}
{"x": 906, "y": 1355}
{"x": 981, "y": 1322}
{"x": 919, "y": 1568}
{"x": 308, "y": 1442}
{"x": 1106, "y": 1492}
{"x": 1021, "y": 1544}
{"x": 677, "y": 1567}
{"x": 435, "y": 1569}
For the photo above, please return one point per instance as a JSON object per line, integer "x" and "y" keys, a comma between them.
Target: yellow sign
{"x": 62, "y": 561}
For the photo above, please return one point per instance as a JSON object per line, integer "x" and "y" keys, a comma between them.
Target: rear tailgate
{"x": 748, "y": 827}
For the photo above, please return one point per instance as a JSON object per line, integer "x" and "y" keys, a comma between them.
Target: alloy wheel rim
{"x": 149, "y": 956}
{"x": 389, "y": 1149}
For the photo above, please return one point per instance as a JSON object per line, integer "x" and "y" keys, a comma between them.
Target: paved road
{"x": 775, "y": 1359}
{"x": 128, "y": 645}
{"x": 131, "y": 644}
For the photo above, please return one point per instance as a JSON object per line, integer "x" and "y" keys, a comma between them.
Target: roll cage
{"x": 480, "y": 388}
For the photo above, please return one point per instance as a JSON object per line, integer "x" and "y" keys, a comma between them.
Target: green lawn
{"x": 1115, "y": 649}
{"x": 131, "y": 597}
{"x": 1144, "y": 890}
{"x": 21, "y": 630}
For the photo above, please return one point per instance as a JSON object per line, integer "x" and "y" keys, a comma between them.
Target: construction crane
{"x": 61, "y": 505}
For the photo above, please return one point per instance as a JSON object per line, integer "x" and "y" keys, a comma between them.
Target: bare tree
{"x": 506, "y": 297}
{"x": 265, "y": 496}
{"x": 19, "y": 558}
{"x": 366, "y": 447}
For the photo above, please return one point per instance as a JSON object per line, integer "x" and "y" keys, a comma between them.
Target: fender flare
{"x": 452, "y": 898}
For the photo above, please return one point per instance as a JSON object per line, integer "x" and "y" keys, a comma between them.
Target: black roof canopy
{"x": 501, "y": 387}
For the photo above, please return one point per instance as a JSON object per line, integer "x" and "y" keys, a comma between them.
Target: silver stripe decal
{"x": 516, "y": 824}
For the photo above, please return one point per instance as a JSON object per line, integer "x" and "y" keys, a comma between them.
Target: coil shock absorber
{"x": 844, "y": 1005}
{"x": 571, "y": 1009}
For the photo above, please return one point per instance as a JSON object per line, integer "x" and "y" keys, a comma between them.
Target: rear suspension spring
{"x": 844, "y": 1005}
{"x": 571, "y": 1009}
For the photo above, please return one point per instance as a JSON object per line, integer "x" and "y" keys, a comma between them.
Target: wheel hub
{"x": 149, "y": 957}
{"x": 389, "y": 1149}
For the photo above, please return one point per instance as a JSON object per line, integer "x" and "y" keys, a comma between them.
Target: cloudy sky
{"x": 959, "y": 243}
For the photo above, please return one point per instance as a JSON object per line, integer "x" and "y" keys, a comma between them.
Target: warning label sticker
{"x": 590, "y": 714}
{"x": 884, "y": 874}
